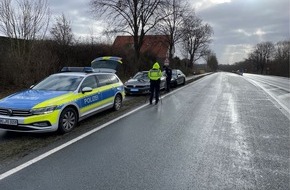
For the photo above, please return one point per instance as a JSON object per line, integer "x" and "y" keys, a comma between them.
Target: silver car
{"x": 140, "y": 84}
{"x": 178, "y": 78}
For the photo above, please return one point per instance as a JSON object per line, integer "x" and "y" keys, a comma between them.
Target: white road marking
{"x": 38, "y": 158}
{"x": 42, "y": 156}
{"x": 233, "y": 111}
{"x": 270, "y": 94}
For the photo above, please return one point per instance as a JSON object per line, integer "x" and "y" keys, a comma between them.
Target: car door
{"x": 106, "y": 89}
{"x": 179, "y": 77}
{"x": 90, "y": 99}
{"x": 163, "y": 81}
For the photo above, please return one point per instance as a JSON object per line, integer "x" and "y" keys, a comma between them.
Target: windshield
{"x": 174, "y": 72}
{"x": 59, "y": 83}
{"x": 141, "y": 76}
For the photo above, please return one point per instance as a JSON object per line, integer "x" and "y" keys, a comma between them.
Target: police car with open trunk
{"x": 59, "y": 101}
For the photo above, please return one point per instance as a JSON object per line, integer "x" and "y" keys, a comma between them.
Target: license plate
{"x": 134, "y": 90}
{"x": 8, "y": 121}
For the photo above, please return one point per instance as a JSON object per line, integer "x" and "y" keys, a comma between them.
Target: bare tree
{"x": 282, "y": 52}
{"x": 261, "y": 55}
{"x": 275, "y": 58}
{"x": 171, "y": 25}
{"x": 211, "y": 60}
{"x": 196, "y": 38}
{"x": 24, "y": 21}
{"x": 282, "y": 58}
{"x": 136, "y": 17}
{"x": 61, "y": 31}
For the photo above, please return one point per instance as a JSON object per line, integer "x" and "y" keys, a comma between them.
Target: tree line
{"x": 265, "y": 58}
{"x": 34, "y": 48}
{"x": 172, "y": 18}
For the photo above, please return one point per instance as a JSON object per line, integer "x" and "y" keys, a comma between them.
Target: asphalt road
{"x": 277, "y": 87}
{"x": 220, "y": 132}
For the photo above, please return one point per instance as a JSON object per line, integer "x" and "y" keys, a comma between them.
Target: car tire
{"x": 68, "y": 120}
{"x": 175, "y": 84}
{"x": 117, "y": 102}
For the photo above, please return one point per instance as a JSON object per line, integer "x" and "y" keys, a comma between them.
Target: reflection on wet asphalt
{"x": 220, "y": 132}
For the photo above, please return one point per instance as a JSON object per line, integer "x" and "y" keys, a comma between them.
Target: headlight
{"x": 45, "y": 110}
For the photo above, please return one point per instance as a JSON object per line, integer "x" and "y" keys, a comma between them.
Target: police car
{"x": 62, "y": 99}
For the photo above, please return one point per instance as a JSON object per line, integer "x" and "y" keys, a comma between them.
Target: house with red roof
{"x": 155, "y": 44}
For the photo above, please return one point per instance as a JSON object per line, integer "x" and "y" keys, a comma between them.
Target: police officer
{"x": 154, "y": 75}
{"x": 168, "y": 72}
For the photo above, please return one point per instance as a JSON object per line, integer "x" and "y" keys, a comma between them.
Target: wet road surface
{"x": 277, "y": 87}
{"x": 220, "y": 132}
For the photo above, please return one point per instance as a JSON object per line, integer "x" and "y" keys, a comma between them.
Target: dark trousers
{"x": 154, "y": 90}
{"x": 168, "y": 80}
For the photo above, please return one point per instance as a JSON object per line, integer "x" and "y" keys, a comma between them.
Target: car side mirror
{"x": 87, "y": 89}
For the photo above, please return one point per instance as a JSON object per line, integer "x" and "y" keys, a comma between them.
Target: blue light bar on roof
{"x": 78, "y": 69}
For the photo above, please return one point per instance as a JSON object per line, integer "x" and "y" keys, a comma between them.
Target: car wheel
{"x": 175, "y": 84}
{"x": 117, "y": 102}
{"x": 67, "y": 120}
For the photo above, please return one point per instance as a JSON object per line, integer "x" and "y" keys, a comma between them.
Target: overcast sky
{"x": 238, "y": 24}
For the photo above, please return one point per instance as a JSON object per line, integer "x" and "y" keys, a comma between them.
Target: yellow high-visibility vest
{"x": 155, "y": 74}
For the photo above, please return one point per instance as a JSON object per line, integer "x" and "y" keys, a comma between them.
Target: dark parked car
{"x": 178, "y": 78}
{"x": 140, "y": 84}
